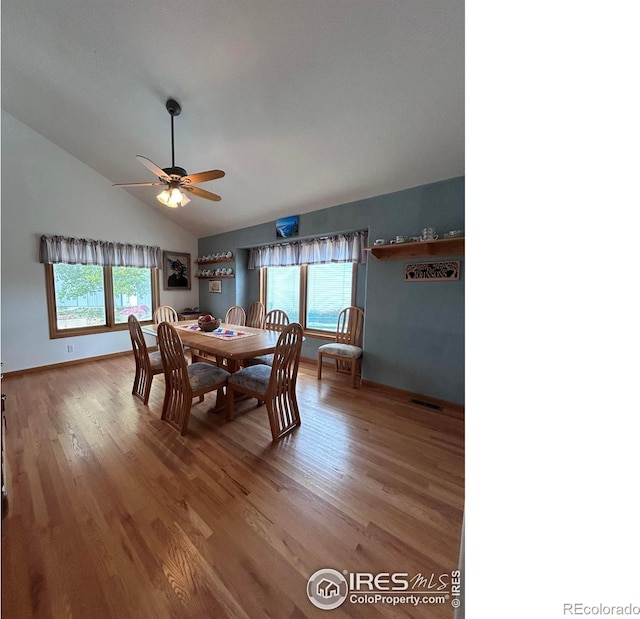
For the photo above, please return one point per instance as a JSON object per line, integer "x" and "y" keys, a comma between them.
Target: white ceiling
{"x": 304, "y": 104}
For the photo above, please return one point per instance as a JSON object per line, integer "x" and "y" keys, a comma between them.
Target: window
{"x": 132, "y": 293}
{"x": 283, "y": 291}
{"x": 86, "y": 299}
{"x": 312, "y": 295}
{"x": 329, "y": 291}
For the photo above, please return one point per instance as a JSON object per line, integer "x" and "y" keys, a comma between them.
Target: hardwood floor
{"x": 113, "y": 514}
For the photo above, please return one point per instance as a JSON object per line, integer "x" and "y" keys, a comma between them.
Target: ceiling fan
{"x": 175, "y": 179}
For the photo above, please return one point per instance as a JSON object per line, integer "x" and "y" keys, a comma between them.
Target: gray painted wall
{"x": 414, "y": 331}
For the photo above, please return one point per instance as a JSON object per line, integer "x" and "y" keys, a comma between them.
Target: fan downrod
{"x": 174, "y": 109}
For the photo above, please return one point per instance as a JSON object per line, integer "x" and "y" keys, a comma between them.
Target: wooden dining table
{"x": 231, "y": 349}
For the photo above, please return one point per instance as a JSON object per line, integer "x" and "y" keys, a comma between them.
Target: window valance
{"x": 337, "y": 248}
{"x": 56, "y": 249}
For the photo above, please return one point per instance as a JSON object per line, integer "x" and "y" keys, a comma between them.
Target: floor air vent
{"x": 434, "y": 407}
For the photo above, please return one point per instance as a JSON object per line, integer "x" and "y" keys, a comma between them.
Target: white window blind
{"x": 283, "y": 291}
{"x": 329, "y": 290}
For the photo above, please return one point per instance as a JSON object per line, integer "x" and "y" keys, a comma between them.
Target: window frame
{"x": 302, "y": 310}
{"x": 111, "y": 326}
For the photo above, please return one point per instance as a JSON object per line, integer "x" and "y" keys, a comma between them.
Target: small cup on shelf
{"x": 429, "y": 234}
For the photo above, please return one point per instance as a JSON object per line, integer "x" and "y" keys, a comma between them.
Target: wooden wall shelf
{"x": 419, "y": 249}
{"x": 213, "y": 261}
{"x": 214, "y": 276}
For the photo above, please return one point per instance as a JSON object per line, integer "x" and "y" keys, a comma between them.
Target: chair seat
{"x": 155, "y": 359}
{"x": 343, "y": 350}
{"x": 261, "y": 360}
{"x": 254, "y": 378}
{"x": 203, "y": 375}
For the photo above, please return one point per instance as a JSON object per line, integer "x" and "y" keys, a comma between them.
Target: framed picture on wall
{"x": 287, "y": 227}
{"x": 215, "y": 285}
{"x": 176, "y": 270}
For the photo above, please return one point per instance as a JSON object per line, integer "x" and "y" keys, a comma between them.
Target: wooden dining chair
{"x": 275, "y": 320}
{"x": 255, "y": 315}
{"x": 274, "y": 385}
{"x": 165, "y": 313}
{"x": 184, "y": 382}
{"x": 236, "y": 316}
{"x": 147, "y": 364}
{"x": 347, "y": 349}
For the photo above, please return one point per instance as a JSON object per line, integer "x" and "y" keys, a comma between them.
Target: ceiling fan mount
{"x": 173, "y": 107}
{"x": 174, "y": 178}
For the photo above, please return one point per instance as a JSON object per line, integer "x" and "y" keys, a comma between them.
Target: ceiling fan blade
{"x": 201, "y": 177}
{"x": 137, "y": 184}
{"x": 147, "y": 163}
{"x": 202, "y": 193}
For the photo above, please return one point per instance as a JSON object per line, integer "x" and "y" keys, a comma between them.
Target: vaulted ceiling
{"x": 304, "y": 104}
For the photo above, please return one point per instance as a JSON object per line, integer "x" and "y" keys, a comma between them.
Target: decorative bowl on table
{"x": 208, "y": 323}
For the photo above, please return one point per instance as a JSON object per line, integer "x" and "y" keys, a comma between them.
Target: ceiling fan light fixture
{"x": 164, "y": 197}
{"x": 167, "y": 199}
{"x": 173, "y": 198}
{"x": 176, "y": 196}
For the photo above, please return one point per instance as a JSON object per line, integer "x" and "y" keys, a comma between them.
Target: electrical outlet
{"x": 69, "y": 347}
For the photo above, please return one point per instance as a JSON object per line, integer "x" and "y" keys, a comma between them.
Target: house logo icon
{"x": 327, "y": 589}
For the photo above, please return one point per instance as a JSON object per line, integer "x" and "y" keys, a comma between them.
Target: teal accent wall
{"x": 414, "y": 331}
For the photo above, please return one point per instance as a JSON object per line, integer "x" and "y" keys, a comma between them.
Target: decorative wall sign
{"x": 215, "y": 285}
{"x": 432, "y": 271}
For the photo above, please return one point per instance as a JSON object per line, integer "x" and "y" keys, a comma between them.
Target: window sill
{"x": 320, "y": 335}
{"x": 61, "y": 333}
